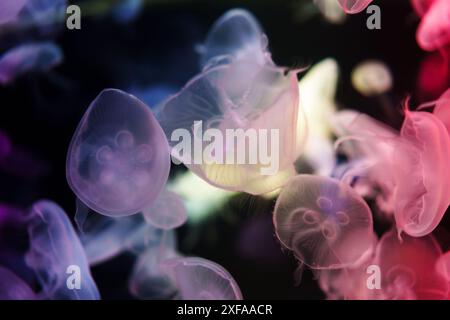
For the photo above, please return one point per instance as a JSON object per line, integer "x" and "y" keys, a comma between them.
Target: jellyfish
{"x": 407, "y": 268}
{"x": 168, "y": 211}
{"x": 118, "y": 160}
{"x": 234, "y": 35}
{"x": 354, "y": 6}
{"x": 55, "y": 253}
{"x": 10, "y": 9}
{"x": 29, "y": 57}
{"x": 422, "y": 191}
{"x": 433, "y": 77}
{"x": 200, "y": 279}
{"x": 317, "y": 98}
{"x": 372, "y": 78}
{"x": 13, "y": 287}
{"x": 323, "y": 221}
{"x": 433, "y": 31}
{"x": 148, "y": 279}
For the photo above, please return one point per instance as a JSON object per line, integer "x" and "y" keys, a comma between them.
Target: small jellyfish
{"x": 14, "y": 288}
{"x": 323, "y": 221}
{"x": 371, "y": 78}
{"x": 354, "y": 6}
{"x": 407, "y": 268}
{"x": 118, "y": 161}
{"x": 234, "y": 35}
{"x": 10, "y": 9}
{"x": 433, "y": 32}
{"x": 168, "y": 211}
{"x": 201, "y": 279}
{"x": 422, "y": 192}
{"x": 55, "y": 253}
{"x": 29, "y": 57}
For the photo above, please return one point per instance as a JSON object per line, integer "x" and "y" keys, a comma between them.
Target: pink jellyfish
{"x": 354, "y": 6}
{"x": 201, "y": 279}
{"x": 407, "y": 268}
{"x": 433, "y": 77}
{"x": 323, "y": 221}
{"x": 422, "y": 192}
{"x": 433, "y": 32}
{"x": 118, "y": 161}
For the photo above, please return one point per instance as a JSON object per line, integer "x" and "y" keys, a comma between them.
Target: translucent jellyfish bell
{"x": 372, "y": 78}
{"x": 422, "y": 193}
{"x": 201, "y": 279}
{"x": 168, "y": 211}
{"x": 235, "y": 34}
{"x": 257, "y": 102}
{"x": 407, "y": 268}
{"x": 30, "y": 57}
{"x": 434, "y": 30}
{"x": 118, "y": 161}
{"x": 55, "y": 251}
{"x": 354, "y": 6}
{"x": 323, "y": 221}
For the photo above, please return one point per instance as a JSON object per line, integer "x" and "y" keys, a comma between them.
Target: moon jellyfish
{"x": 201, "y": 279}
{"x": 323, "y": 221}
{"x": 236, "y": 34}
{"x": 10, "y": 9}
{"x": 354, "y": 6}
{"x": 408, "y": 268}
{"x": 433, "y": 32}
{"x": 30, "y": 57}
{"x": 149, "y": 279}
{"x": 14, "y": 288}
{"x": 118, "y": 161}
{"x": 55, "y": 253}
{"x": 168, "y": 211}
{"x": 422, "y": 192}
{"x": 372, "y": 78}
{"x": 249, "y": 144}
